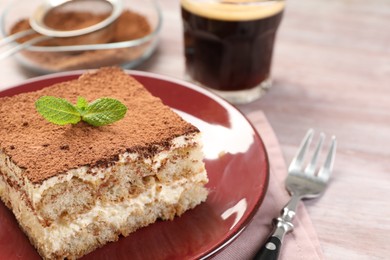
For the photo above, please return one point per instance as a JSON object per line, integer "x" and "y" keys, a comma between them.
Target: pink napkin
{"x": 303, "y": 242}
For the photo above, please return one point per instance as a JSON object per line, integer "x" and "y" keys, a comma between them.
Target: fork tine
{"x": 311, "y": 167}
{"x": 326, "y": 169}
{"x": 297, "y": 161}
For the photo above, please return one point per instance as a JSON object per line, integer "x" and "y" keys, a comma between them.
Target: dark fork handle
{"x": 283, "y": 224}
{"x": 270, "y": 249}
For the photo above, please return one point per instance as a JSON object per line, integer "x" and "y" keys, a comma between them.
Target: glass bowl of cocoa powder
{"x": 127, "y": 42}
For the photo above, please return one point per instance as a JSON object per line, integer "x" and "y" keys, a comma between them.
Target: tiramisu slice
{"x": 74, "y": 188}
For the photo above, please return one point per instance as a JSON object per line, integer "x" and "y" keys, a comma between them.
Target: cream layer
{"x": 94, "y": 175}
{"x": 116, "y": 214}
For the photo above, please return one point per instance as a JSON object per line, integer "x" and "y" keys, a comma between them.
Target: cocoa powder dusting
{"x": 44, "y": 149}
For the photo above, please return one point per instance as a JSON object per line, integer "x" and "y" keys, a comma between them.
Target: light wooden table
{"x": 331, "y": 72}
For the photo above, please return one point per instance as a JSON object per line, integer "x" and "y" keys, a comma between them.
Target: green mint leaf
{"x": 57, "y": 110}
{"x": 104, "y": 111}
{"x": 81, "y": 104}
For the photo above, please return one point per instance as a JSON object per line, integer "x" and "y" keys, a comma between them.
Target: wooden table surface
{"x": 331, "y": 72}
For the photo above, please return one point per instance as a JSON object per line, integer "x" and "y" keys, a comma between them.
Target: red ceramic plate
{"x": 237, "y": 167}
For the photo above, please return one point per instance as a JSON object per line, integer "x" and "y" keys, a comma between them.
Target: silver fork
{"x": 302, "y": 183}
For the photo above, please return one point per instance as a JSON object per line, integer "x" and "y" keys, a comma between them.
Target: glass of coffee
{"x": 229, "y": 45}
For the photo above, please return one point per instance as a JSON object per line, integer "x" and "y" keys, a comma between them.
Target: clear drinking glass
{"x": 229, "y": 45}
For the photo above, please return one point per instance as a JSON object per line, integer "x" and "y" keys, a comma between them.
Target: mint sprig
{"x": 102, "y": 111}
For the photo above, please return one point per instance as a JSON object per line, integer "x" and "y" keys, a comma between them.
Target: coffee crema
{"x": 238, "y": 10}
{"x": 228, "y": 47}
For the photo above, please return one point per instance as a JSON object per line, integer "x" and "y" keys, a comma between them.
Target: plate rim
{"x": 214, "y": 250}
